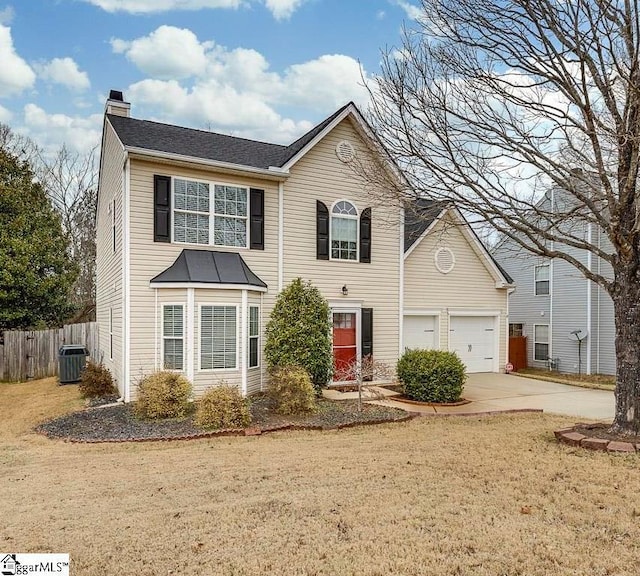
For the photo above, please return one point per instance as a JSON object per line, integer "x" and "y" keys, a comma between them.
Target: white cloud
{"x": 380, "y": 15}
{"x": 281, "y": 9}
{"x": 150, "y": 6}
{"x": 210, "y": 86}
{"x": 5, "y": 115}
{"x": 64, "y": 71}
{"x": 52, "y": 130}
{"x": 411, "y": 10}
{"x": 15, "y": 74}
{"x": 167, "y": 53}
{"x": 7, "y": 14}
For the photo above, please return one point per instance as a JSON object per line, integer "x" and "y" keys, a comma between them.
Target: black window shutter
{"x": 365, "y": 236}
{"x": 366, "y": 342}
{"x": 161, "y": 208}
{"x": 256, "y": 219}
{"x": 322, "y": 231}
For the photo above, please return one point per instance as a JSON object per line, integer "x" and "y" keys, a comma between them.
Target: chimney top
{"x": 116, "y": 95}
{"x": 116, "y": 105}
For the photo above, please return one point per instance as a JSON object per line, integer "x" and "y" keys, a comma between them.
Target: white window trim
{"x": 356, "y": 218}
{"x": 163, "y": 338}
{"x": 535, "y": 281}
{"x": 548, "y": 343}
{"x": 249, "y": 337}
{"x": 238, "y": 341}
{"x": 212, "y": 187}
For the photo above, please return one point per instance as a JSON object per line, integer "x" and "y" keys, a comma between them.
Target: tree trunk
{"x": 626, "y": 302}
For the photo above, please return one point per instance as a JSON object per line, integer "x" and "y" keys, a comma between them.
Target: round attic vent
{"x": 345, "y": 151}
{"x": 445, "y": 260}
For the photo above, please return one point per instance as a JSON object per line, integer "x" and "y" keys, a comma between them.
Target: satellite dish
{"x": 578, "y": 335}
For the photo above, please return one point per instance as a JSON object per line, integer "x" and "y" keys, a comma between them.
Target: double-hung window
{"x": 344, "y": 231}
{"x": 173, "y": 336}
{"x": 542, "y": 280}
{"x": 541, "y": 342}
{"x": 218, "y": 338}
{"x": 254, "y": 336}
{"x": 230, "y": 216}
{"x": 212, "y": 214}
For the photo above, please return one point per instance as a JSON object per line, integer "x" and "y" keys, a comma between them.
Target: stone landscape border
{"x": 251, "y": 431}
{"x": 571, "y": 437}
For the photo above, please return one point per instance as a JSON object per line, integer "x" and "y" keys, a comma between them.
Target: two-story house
{"x": 567, "y": 320}
{"x": 198, "y": 232}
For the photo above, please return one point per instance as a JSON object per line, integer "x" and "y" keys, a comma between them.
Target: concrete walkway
{"x": 500, "y": 392}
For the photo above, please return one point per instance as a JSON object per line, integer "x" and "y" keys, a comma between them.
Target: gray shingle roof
{"x": 209, "y": 267}
{"x": 210, "y": 145}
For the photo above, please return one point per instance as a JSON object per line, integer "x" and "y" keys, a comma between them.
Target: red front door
{"x": 345, "y": 349}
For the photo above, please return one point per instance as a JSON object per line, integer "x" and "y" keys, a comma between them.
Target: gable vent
{"x": 345, "y": 151}
{"x": 445, "y": 260}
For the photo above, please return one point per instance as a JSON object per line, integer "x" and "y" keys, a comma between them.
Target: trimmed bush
{"x": 163, "y": 394}
{"x": 291, "y": 390}
{"x": 432, "y": 375}
{"x": 96, "y": 381}
{"x": 222, "y": 407}
{"x": 299, "y": 332}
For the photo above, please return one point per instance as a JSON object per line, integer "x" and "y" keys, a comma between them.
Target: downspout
{"x": 550, "y": 287}
{"x": 155, "y": 330}
{"x": 260, "y": 340}
{"x": 589, "y": 288}
{"x": 280, "y": 236}
{"x": 598, "y": 307}
{"x": 126, "y": 288}
{"x": 401, "y": 286}
{"x": 509, "y": 292}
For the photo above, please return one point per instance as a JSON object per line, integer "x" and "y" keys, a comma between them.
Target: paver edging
{"x": 570, "y": 437}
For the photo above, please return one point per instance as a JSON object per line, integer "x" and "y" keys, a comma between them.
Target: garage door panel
{"x": 420, "y": 331}
{"x": 473, "y": 339}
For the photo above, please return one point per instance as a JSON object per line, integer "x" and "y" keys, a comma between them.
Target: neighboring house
{"x": 198, "y": 232}
{"x": 455, "y": 294}
{"x": 553, "y": 301}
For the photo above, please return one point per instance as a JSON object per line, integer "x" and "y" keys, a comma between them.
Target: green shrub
{"x": 96, "y": 381}
{"x": 291, "y": 390}
{"x": 431, "y": 375}
{"x": 222, "y": 407}
{"x": 299, "y": 332}
{"x": 163, "y": 394}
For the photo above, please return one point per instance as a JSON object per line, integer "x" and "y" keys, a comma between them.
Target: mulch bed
{"x": 401, "y": 398}
{"x": 602, "y": 431}
{"x": 119, "y": 424}
{"x": 598, "y": 437}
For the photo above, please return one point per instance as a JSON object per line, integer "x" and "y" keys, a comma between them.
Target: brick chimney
{"x": 116, "y": 105}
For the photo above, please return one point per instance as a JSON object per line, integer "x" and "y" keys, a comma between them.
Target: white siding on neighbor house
{"x": 320, "y": 175}
{"x": 469, "y": 288}
{"x": 109, "y": 263}
{"x": 149, "y": 258}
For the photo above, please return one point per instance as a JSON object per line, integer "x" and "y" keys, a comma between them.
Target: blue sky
{"x": 265, "y": 69}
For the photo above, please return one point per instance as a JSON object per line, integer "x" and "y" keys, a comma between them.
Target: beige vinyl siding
{"x": 149, "y": 258}
{"x": 109, "y": 264}
{"x": 319, "y": 175}
{"x": 468, "y": 287}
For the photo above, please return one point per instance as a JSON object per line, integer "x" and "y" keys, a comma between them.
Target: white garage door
{"x": 420, "y": 332}
{"x": 473, "y": 338}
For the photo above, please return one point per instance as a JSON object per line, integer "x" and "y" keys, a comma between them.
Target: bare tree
{"x": 493, "y": 104}
{"x": 70, "y": 180}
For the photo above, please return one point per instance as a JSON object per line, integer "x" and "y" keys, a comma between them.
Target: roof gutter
{"x": 271, "y": 173}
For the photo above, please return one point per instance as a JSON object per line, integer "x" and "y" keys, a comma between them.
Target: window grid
{"x": 541, "y": 342}
{"x": 173, "y": 336}
{"x": 191, "y": 212}
{"x": 230, "y": 216}
{"x": 218, "y": 337}
{"x": 254, "y": 336}
{"x": 542, "y": 280}
{"x": 344, "y": 231}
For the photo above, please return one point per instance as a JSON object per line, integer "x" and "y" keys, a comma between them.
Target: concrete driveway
{"x": 509, "y": 392}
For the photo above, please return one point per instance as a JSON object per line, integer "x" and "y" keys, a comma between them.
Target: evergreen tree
{"x": 36, "y": 271}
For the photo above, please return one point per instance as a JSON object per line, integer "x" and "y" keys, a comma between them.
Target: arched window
{"x": 344, "y": 231}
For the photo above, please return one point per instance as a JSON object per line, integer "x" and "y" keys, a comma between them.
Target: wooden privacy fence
{"x": 30, "y": 354}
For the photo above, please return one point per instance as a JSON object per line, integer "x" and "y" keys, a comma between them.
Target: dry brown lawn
{"x": 478, "y": 496}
